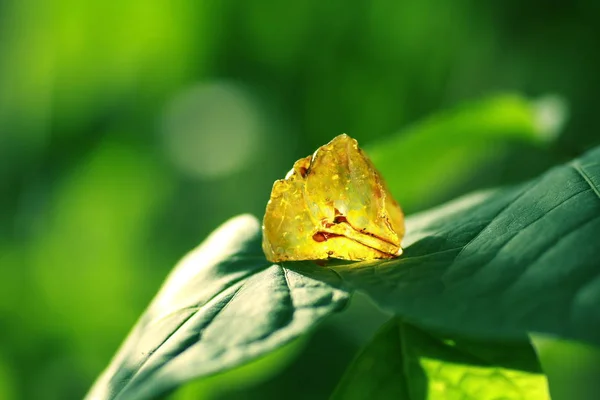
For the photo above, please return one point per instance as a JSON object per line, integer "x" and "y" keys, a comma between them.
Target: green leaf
{"x": 501, "y": 263}
{"x": 406, "y": 362}
{"x": 241, "y": 378}
{"x": 434, "y": 159}
{"x": 572, "y": 368}
{"x": 222, "y": 306}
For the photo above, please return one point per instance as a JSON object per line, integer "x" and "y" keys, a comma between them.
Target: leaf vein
{"x": 502, "y": 210}
{"x": 185, "y": 321}
{"x": 518, "y": 232}
{"x": 558, "y": 240}
{"x": 579, "y": 168}
{"x": 287, "y": 284}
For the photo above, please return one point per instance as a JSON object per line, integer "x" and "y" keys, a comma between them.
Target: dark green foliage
{"x": 221, "y": 307}
{"x": 493, "y": 266}
{"x": 96, "y": 206}
{"x": 502, "y": 263}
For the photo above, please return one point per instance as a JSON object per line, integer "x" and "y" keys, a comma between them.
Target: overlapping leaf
{"x": 502, "y": 263}
{"x": 404, "y": 362}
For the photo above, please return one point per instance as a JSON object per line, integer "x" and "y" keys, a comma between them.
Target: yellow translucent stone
{"x": 333, "y": 204}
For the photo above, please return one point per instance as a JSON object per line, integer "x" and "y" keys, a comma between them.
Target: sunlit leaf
{"x": 405, "y": 362}
{"x": 438, "y": 157}
{"x": 222, "y": 306}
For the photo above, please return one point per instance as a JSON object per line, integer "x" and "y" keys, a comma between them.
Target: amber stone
{"x": 333, "y": 204}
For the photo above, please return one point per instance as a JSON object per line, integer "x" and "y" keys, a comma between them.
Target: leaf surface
{"x": 501, "y": 263}
{"x": 405, "y": 362}
{"x": 222, "y": 306}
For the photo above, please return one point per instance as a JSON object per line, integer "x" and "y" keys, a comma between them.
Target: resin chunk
{"x": 333, "y": 204}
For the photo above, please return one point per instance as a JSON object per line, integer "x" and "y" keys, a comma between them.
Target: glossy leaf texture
{"x": 501, "y": 263}
{"x": 222, "y": 306}
{"x": 406, "y": 362}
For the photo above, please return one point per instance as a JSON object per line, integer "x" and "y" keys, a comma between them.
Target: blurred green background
{"x": 129, "y": 130}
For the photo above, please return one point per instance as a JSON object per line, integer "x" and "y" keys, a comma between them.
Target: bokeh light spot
{"x": 551, "y": 114}
{"x": 212, "y": 130}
